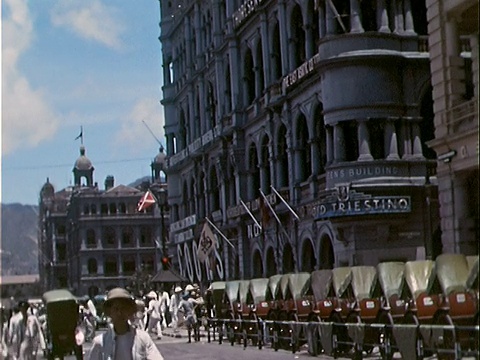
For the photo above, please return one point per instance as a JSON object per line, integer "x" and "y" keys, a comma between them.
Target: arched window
{"x": 298, "y": 36}
{"x": 321, "y": 133}
{"x": 110, "y": 266}
{"x": 127, "y": 237}
{"x": 92, "y": 266}
{"x": 249, "y": 77}
{"x": 276, "y": 53}
{"x": 109, "y": 237}
{"x": 303, "y": 148}
{"x": 254, "y": 172}
{"x": 146, "y": 236}
{"x": 282, "y": 156}
{"x": 91, "y": 241}
{"x": 266, "y": 178}
{"x": 214, "y": 190}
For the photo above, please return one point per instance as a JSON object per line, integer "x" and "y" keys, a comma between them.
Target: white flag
{"x": 206, "y": 243}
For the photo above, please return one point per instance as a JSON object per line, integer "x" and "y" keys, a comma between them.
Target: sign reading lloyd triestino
{"x": 206, "y": 243}
{"x": 346, "y": 202}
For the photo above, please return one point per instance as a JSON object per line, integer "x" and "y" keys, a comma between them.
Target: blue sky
{"x": 66, "y": 64}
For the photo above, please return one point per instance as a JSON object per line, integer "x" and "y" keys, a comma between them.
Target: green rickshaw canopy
{"x": 273, "y": 282}
{"x": 282, "y": 287}
{"x": 452, "y": 272}
{"x": 391, "y": 277}
{"x": 341, "y": 277}
{"x": 364, "y": 279}
{"x": 231, "y": 290}
{"x": 473, "y": 265}
{"x": 258, "y": 290}
{"x": 243, "y": 288}
{"x": 420, "y": 276}
{"x": 321, "y": 281}
{"x": 298, "y": 285}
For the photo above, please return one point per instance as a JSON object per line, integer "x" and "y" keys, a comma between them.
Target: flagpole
{"x": 274, "y": 213}
{"x": 285, "y": 202}
{"x": 251, "y": 215}
{"x": 221, "y": 234}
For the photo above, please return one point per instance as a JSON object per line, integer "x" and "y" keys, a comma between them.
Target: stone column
{"x": 267, "y": 75}
{"x": 399, "y": 27}
{"x": 391, "y": 145}
{"x": 283, "y": 37}
{"x": 407, "y": 140}
{"x": 314, "y": 154}
{"x": 363, "y": 141}
{"x": 308, "y": 41}
{"x": 355, "y": 17}
{"x": 417, "y": 142}
{"x": 407, "y": 10}
{"x": 382, "y": 17}
{"x": 330, "y": 20}
{"x": 339, "y": 143}
{"x": 321, "y": 19}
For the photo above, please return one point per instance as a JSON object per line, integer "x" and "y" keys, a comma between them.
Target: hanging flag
{"x": 146, "y": 201}
{"x": 80, "y": 136}
{"x": 206, "y": 243}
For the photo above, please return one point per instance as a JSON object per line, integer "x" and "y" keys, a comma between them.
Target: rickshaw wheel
{"x": 385, "y": 334}
{"x": 340, "y": 332}
{"x": 272, "y": 328}
{"x": 449, "y": 337}
{"x": 283, "y": 340}
{"x": 313, "y": 337}
{"x": 411, "y": 319}
{"x": 253, "y": 329}
{"x": 354, "y": 318}
{"x": 230, "y": 322}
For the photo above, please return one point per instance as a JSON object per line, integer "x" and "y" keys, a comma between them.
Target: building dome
{"x": 47, "y": 189}
{"x": 83, "y": 163}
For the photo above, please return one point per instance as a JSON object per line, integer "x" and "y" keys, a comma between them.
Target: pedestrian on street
{"x": 32, "y": 337}
{"x": 16, "y": 330}
{"x": 174, "y": 302}
{"x": 164, "y": 299}
{"x": 155, "y": 316}
{"x": 122, "y": 340}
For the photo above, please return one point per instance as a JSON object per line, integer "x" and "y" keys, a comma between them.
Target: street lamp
{"x": 162, "y": 203}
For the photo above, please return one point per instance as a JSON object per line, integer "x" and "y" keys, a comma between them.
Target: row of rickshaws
{"x": 417, "y": 308}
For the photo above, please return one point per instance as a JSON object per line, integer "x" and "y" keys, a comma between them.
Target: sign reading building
{"x": 343, "y": 202}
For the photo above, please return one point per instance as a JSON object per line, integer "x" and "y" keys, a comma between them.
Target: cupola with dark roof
{"x": 83, "y": 168}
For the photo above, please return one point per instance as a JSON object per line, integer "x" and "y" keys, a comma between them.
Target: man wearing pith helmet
{"x": 123, "y": 341}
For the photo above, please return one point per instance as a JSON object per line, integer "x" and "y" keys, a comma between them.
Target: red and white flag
{"x": 146, "y": 201}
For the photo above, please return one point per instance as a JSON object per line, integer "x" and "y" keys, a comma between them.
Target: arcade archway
{"x": 327, "y": 256}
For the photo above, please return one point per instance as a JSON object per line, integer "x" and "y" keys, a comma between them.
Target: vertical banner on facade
{"x": 206, "y": 243}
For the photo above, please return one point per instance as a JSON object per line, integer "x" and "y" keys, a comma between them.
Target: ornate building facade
{"x": 324, "y": 107}
{"x": 92, "y": 239}
{"x": 453, "y": 39}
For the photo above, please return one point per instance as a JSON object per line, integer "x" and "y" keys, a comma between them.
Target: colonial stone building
{"x": 93, "y": 239}
{"x": 453, "y": 39}
{"x": 325, "y": 107}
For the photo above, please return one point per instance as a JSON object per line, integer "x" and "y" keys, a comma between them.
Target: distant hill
{"x": 19, "y": 249}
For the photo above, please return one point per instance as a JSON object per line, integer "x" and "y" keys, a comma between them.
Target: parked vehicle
{"x": 61, "y": 324}
{"x": 458, "y": 306}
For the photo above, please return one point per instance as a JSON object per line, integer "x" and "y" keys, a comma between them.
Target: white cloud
{"x": 27, "y": 118}
{"x": 134, "y": 134}
{"x": 90, "y": 20}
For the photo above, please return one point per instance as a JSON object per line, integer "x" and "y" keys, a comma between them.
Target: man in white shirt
{"x": 122, "y": 341}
